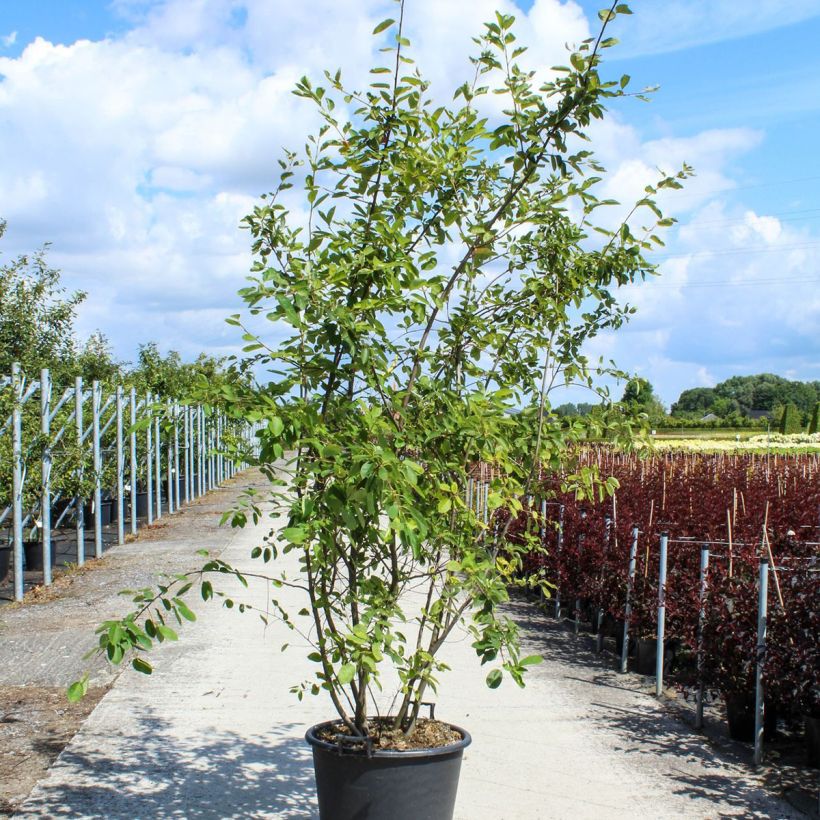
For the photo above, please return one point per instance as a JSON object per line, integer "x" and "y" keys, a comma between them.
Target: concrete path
{"x": 215, "y": 733}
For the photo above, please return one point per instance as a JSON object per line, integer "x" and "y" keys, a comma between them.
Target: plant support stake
{"x": 704, "y": 576}
{"x": 45, "y": 504}
{"x": 120, "y": 473}
{"x": 633, "y": 553}
{"x": 96, "y": 401}
{"x": 79, "y": 500}
{"x": 661, "y": 615}
{"x": 762, "y": 607}
{"x": 17, "y": 480}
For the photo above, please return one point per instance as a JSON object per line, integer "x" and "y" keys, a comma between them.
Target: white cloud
{"x": 8, "y": 40}
{"x": 137, "y": 157}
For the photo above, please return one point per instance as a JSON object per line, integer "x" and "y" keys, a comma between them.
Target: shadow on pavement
{"x": 226, "y": 776}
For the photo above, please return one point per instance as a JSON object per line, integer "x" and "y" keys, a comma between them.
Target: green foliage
{"x": 790, "y": 421}
{"x": 432, "y": 282}
{"x": 36, "y": 315}
{"x": 814, "y": 424}
{"x": 744, "y": 394}
{"x": 639, "y": 397}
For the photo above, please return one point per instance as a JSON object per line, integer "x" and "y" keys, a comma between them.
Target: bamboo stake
{"x": 729, "y": 527}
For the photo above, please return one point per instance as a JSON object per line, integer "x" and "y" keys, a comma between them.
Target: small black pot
{"x": 34, "y": 555}
{"x": 107, "y": 512}
{"x": 419, "y": 784}
{"x": 812, "y": 726}
{"x": 646, "y": 656}
{"x": 740, "y": 714}
{"x": 5, "y": 562}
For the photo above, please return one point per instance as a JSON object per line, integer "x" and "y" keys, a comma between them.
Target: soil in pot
{"x": 356, "y": 781}
{"x": 740, "y": 715}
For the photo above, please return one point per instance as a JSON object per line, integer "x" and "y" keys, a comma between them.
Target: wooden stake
{"x": 729, "y": 527}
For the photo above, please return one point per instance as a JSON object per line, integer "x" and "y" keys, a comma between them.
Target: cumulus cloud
{"x": 138, "y": 155}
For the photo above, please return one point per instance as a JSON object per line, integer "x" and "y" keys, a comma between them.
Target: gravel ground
{"x": 43, "y": 639}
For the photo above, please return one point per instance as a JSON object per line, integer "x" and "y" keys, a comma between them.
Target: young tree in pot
{"x": 435, "y": 283}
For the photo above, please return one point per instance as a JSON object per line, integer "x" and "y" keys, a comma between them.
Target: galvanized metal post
{"x": 149, "y": 462}
{"x": 762, "y": 617}
{"x": 704, "y": 576}
{"x": 661, "y": 615}
{"x": 158, "y": 466}
{"x": 45, "y": 488}
{"x": 186, "y": 420}
{"x": 120, "y": 472}
{"x": 200, "y": 450}
{"x": 79, "y": 500}
{"x": 96, "y": 403}
{"x": 177, "y": 501}
{"x": 599, "y": 637}
{"x": 132, "y": 399}
{"x": 170, "y": 477}
{"x": 558, "y": 549}
{"x": 17, "y": 479}
{"x": 630, "y": 583}
{"x": 220, "y": 461}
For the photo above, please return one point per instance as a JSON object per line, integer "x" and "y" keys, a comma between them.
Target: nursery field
{"x": 722, "y": 515}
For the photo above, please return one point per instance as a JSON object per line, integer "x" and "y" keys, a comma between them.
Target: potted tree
{"x": 440, "y": 271}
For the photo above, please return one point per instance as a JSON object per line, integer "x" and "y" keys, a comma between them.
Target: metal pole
{"x": 661, "y": 616}
{"x": 220, "y": 460}
{"x": 630, "y": 583}
{"x": 158, "y": 466}
{"x": 79, "y": 500}
{"x": 17, "y": 479}
{"x": 45, "y": 502}
{"x": 96, "y": 403}
{"x": 188, "y": 467}
{"x": 762, "y": 607}
{"x": 558, "y": 548}
{"x": 120, "y": 472}
{"x": 177, "y": 502}
{"x": 704, "y": 575}
{"x": 599, "y": 638}
{"x": 170, "y": 475}
{"x": 133, "y": 436}
{"x": 149, "y": 462}
{"x": 200, "y": 454}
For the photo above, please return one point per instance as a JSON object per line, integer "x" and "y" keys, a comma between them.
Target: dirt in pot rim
{"x": 427, "y": 734}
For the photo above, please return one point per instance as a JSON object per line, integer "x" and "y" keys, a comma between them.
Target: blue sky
{"x": 137, "y": 150}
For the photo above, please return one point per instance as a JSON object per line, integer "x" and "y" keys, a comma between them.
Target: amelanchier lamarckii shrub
{"x": 440, "y": 268}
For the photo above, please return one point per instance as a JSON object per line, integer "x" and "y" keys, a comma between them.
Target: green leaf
{"x": 185, "y": 612}
{"x": 531, "y": 660}
{"x": 346, "y": 673}
{"x": 385, "y": 24}
{"x": 141, "y": 665}
{"x": 296, "y": 535}
{"x": 494, "y": 678}
{"x": 77, "y": 690}
{"x": 444, "y": 505}
{"x": 276, "y": 426}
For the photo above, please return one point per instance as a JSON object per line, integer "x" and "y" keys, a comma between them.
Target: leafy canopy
{"x": 433, "y": 268}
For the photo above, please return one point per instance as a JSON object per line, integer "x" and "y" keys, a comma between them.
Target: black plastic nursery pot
{"x": 740, "y": 715}
{"x": 354, "y": 783}
{"x": 5, "y": 562}
{"x": 34, "y": 555}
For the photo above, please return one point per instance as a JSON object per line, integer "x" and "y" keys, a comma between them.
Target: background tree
{"x": 639, "y": 397}
{"x": 36, "y": 316}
